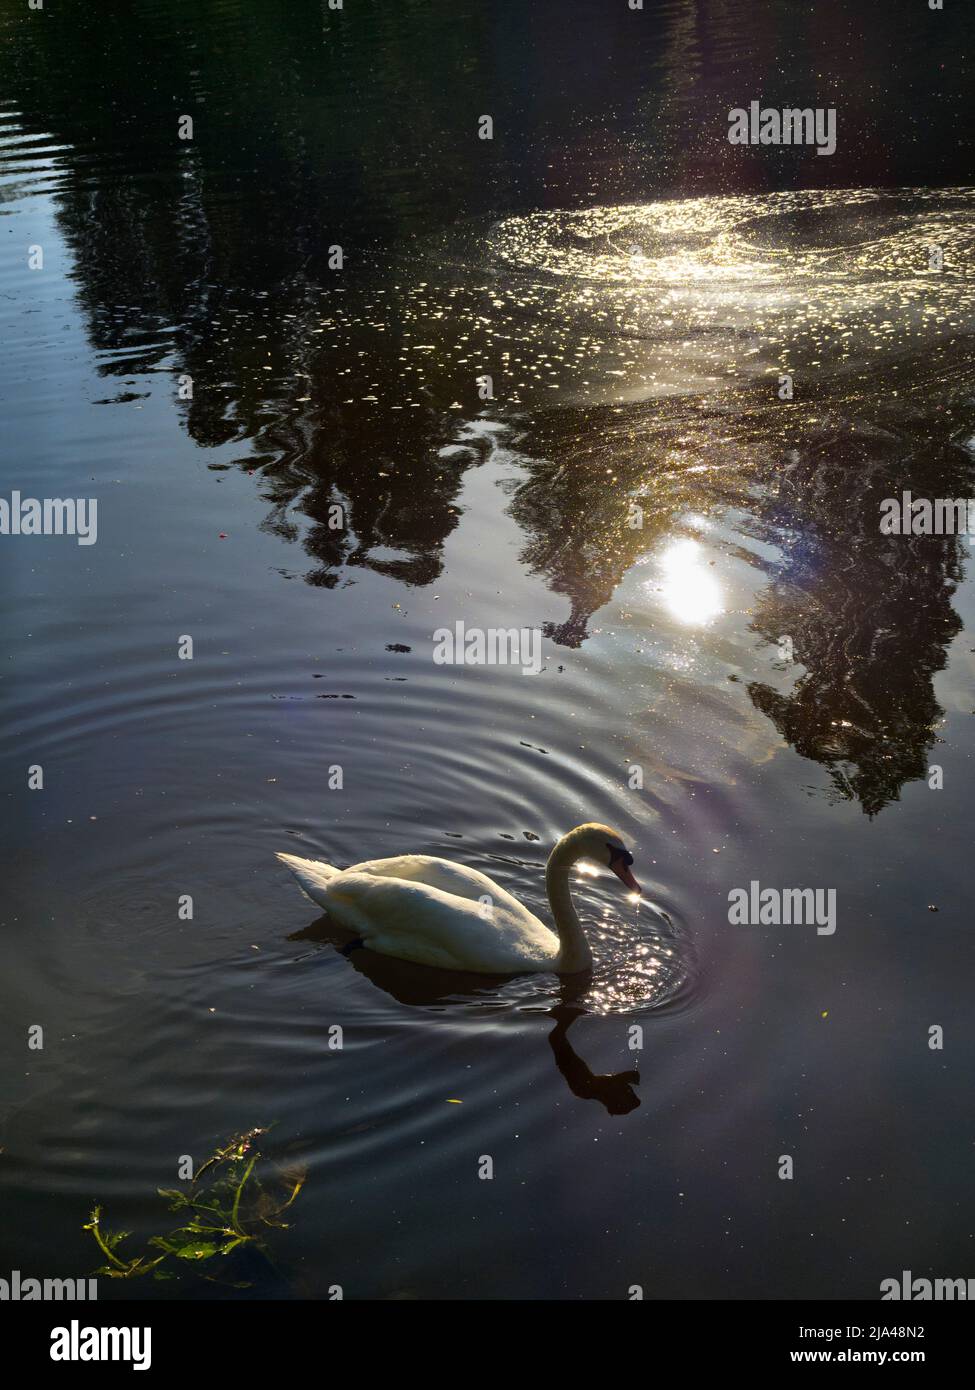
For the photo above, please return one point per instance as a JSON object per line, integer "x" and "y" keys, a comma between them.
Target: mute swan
{"x": 434, "y": 912}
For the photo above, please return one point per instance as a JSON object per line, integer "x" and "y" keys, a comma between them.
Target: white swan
{"x": 421, "y": 908}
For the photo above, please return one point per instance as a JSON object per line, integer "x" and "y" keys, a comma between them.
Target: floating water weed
{"x": 226, "y": 1208}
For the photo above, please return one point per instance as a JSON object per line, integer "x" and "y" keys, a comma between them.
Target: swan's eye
{"x": 615, "y": 852}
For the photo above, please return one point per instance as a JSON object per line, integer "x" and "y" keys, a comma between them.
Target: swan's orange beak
{"x": 622, "y": 872}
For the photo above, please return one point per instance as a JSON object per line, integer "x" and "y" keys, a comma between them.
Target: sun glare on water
{"x": 690, "y": 592}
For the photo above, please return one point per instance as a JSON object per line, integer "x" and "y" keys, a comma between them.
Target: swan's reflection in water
{"x": 614, "y": 1090}
{"x": 424, "y": 986}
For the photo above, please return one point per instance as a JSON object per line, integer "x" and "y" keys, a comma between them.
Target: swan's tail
{"x": 313, "y": 875}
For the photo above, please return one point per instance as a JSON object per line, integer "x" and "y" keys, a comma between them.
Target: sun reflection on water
{"x": 690, "y": 592}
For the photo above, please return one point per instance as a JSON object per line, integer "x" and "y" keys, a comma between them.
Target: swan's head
{"x": 606, "y": 847}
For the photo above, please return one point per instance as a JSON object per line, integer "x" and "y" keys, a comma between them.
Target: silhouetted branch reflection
{"x": 869, "y": 615}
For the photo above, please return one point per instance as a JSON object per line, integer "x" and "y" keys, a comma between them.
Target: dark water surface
{"x": 635, "y": 286}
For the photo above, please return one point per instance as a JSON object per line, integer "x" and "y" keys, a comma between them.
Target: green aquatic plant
{"x": 226, "y": 1208}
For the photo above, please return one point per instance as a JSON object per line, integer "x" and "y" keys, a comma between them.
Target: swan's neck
{"x": 575, "y": 953}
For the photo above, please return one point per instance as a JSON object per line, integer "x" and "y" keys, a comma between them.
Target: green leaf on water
{"x": 200, "y": 1251}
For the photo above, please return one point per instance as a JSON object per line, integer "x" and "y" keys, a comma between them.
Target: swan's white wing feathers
{"x": 420, "y": 922}
{"x": 439, "y": 873}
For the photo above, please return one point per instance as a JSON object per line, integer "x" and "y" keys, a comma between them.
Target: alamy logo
{"x": 77, "y": 1343}
{"x": 18, "y": 1290}
{"x": 920, "y": 516}
{"x": 50, "y": 516}
{"x": 791, "y": 126}
{"x": 492, "y": 646}
{"x": 756, "y": 906}
{"x": 926, "y": 1290}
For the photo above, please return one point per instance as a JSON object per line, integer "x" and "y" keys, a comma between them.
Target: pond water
{"x": 752, "y": 684}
